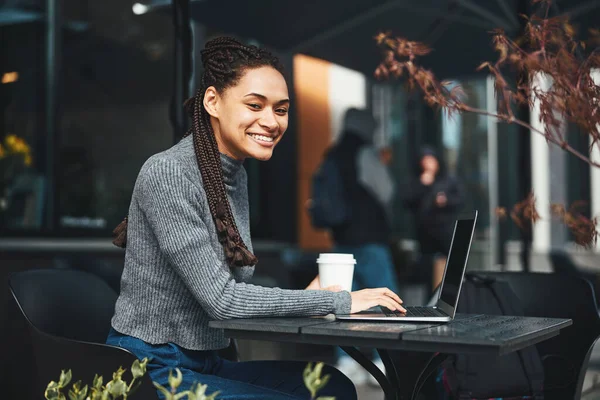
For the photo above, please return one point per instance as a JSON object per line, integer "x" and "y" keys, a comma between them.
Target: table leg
{"x": 390, "y": 389}
{"x": 390, "y": 368}
{"x": 412, "y": 370}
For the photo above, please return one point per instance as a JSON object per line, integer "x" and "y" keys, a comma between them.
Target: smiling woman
{"x": 189, "y": 254}
{"x": 250, "y": 118}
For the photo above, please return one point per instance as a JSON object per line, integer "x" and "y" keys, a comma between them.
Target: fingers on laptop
{"x": 385, "y": 297}
{"x": 393, "y": 295}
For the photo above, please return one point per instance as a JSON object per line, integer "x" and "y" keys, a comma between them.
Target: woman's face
{"x": 250, "y": 118}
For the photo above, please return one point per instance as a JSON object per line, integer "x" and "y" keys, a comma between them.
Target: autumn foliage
{"x": 548, "y": 47}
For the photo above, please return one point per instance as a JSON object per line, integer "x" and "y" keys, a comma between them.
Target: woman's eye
{"x": 282, "y": 110}
{"x": 254, "y": 106}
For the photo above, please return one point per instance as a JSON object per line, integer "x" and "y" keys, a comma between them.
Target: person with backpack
{"x": 351, "y": 197}
{"x": 435, "y": 199}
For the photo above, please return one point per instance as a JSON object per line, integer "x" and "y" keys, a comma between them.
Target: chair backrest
{"x": 66, "y": 303}
{"x": 67, "y": 318}
{"x": 565, "y": 356}
{"x": 108, "y": 268}
{"x": 562, "y": 262}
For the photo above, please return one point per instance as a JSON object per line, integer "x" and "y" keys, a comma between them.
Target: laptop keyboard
{"x": 414, "y": 311}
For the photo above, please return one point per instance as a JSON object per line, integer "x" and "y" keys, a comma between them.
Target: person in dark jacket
{"x": 368, "y": 191}
{"x": 435, "y": 198}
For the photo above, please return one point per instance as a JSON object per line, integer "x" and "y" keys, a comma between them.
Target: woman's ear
{"x": 210, "y": 101}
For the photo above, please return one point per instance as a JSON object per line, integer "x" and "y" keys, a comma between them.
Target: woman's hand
{"x": 367, "y": 298}
{"x": 316, "y": 285}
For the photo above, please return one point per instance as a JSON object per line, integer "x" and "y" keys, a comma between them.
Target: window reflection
{"x": 22, "y": 178}
{"x": 464, "y": 140}
{"x": 114, "y": 89}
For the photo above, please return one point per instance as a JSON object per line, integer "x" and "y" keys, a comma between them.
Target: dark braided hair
{"x": 225, "y": 60}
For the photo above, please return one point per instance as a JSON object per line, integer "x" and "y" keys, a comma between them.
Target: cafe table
{"x": 421, "y": 347}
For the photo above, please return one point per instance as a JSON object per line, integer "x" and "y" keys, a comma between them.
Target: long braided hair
{"x": 225, "y": 60}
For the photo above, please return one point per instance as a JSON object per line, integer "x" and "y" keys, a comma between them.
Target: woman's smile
{"x": 263, "y": 140}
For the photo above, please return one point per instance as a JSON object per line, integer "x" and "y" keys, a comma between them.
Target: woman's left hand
{"x": 316, "y": 285}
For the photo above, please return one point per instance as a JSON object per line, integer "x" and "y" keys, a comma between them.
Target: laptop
{"x": 449, "y": 292}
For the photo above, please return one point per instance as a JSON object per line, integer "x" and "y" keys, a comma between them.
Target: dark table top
{"x": 465, "y": 334}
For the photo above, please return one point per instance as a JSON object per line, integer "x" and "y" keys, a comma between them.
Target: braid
{"x": 224, "y": 60}
{"x": 209, "y": 162}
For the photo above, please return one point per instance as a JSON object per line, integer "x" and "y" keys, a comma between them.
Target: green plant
{"x": 314, "y": 382}
{"x": 117, "y": 388}
{"x": 196, "y": 392}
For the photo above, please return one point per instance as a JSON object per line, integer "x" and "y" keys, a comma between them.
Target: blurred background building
{"x": 95, "y": 88}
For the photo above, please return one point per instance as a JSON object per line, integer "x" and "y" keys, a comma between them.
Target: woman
{"x": 189, "y": 253}
{"x": 435, "y": 198}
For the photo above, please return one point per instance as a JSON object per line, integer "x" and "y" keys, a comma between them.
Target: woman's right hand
{"x": 367, "y": 298}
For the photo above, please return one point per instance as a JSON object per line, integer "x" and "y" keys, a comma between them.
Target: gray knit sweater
{"x": 176, "y": 279}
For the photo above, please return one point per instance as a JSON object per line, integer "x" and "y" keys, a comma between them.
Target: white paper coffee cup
{"x": 336, "y": 269}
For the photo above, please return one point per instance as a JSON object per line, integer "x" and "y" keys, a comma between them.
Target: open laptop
{"x": 449, "y": 292}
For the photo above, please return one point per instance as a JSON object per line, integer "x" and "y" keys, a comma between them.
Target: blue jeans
{"x": 277, "y": 380}
{"x": 374, "y": 268}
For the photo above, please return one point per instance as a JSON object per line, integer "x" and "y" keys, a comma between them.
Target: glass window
{"x": 114, "y": 80}
{"x": 464, "y": 140}
{"x": 509, "y": 137}
{"x": 22, "y": 112}
{"x": 115, "y": 93}
{"x": 578, "y": 176}
{"x": 399, "y": 142}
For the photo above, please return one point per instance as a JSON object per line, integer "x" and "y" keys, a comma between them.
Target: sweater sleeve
{"x": 172, "y": 204}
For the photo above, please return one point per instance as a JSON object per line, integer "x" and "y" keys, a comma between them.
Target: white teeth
{"x": 262, "y": 138}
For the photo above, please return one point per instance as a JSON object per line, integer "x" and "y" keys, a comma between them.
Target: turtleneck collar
{"x": 230, "y": 167}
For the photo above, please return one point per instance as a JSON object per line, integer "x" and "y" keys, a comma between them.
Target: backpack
{"x": 329, "y": 207}
{"x": 518, "y": 375}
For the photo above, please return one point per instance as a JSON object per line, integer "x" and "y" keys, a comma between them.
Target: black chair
{"x": 110, "y": 273}
{"x": 67, "y": 316}
{"x": 563, "y": 264}
{"x": 110, "y": 270}
{"x": 567, "y": 355}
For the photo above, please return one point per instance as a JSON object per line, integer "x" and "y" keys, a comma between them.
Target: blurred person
{"x": 187, "y": 236}
{"x": 367, "y": 189}
{"x": 435, "y": 198}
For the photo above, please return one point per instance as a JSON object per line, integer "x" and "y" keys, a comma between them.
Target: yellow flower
{"x": 20, "y": 146}
{"x": 11, "y": 141}
{"x": 17, "y": 146}
{"x": 14, "y": 144}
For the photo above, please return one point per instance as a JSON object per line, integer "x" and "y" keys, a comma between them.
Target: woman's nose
{"x": 269, "y": 122}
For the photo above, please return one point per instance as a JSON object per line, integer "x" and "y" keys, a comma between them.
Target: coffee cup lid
{"x": 338, "y": 258}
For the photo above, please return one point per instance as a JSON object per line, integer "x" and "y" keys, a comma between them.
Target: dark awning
{"x": 341, "y": 31}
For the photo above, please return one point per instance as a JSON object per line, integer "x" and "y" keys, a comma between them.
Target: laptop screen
{"x": 457, "y": 259}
